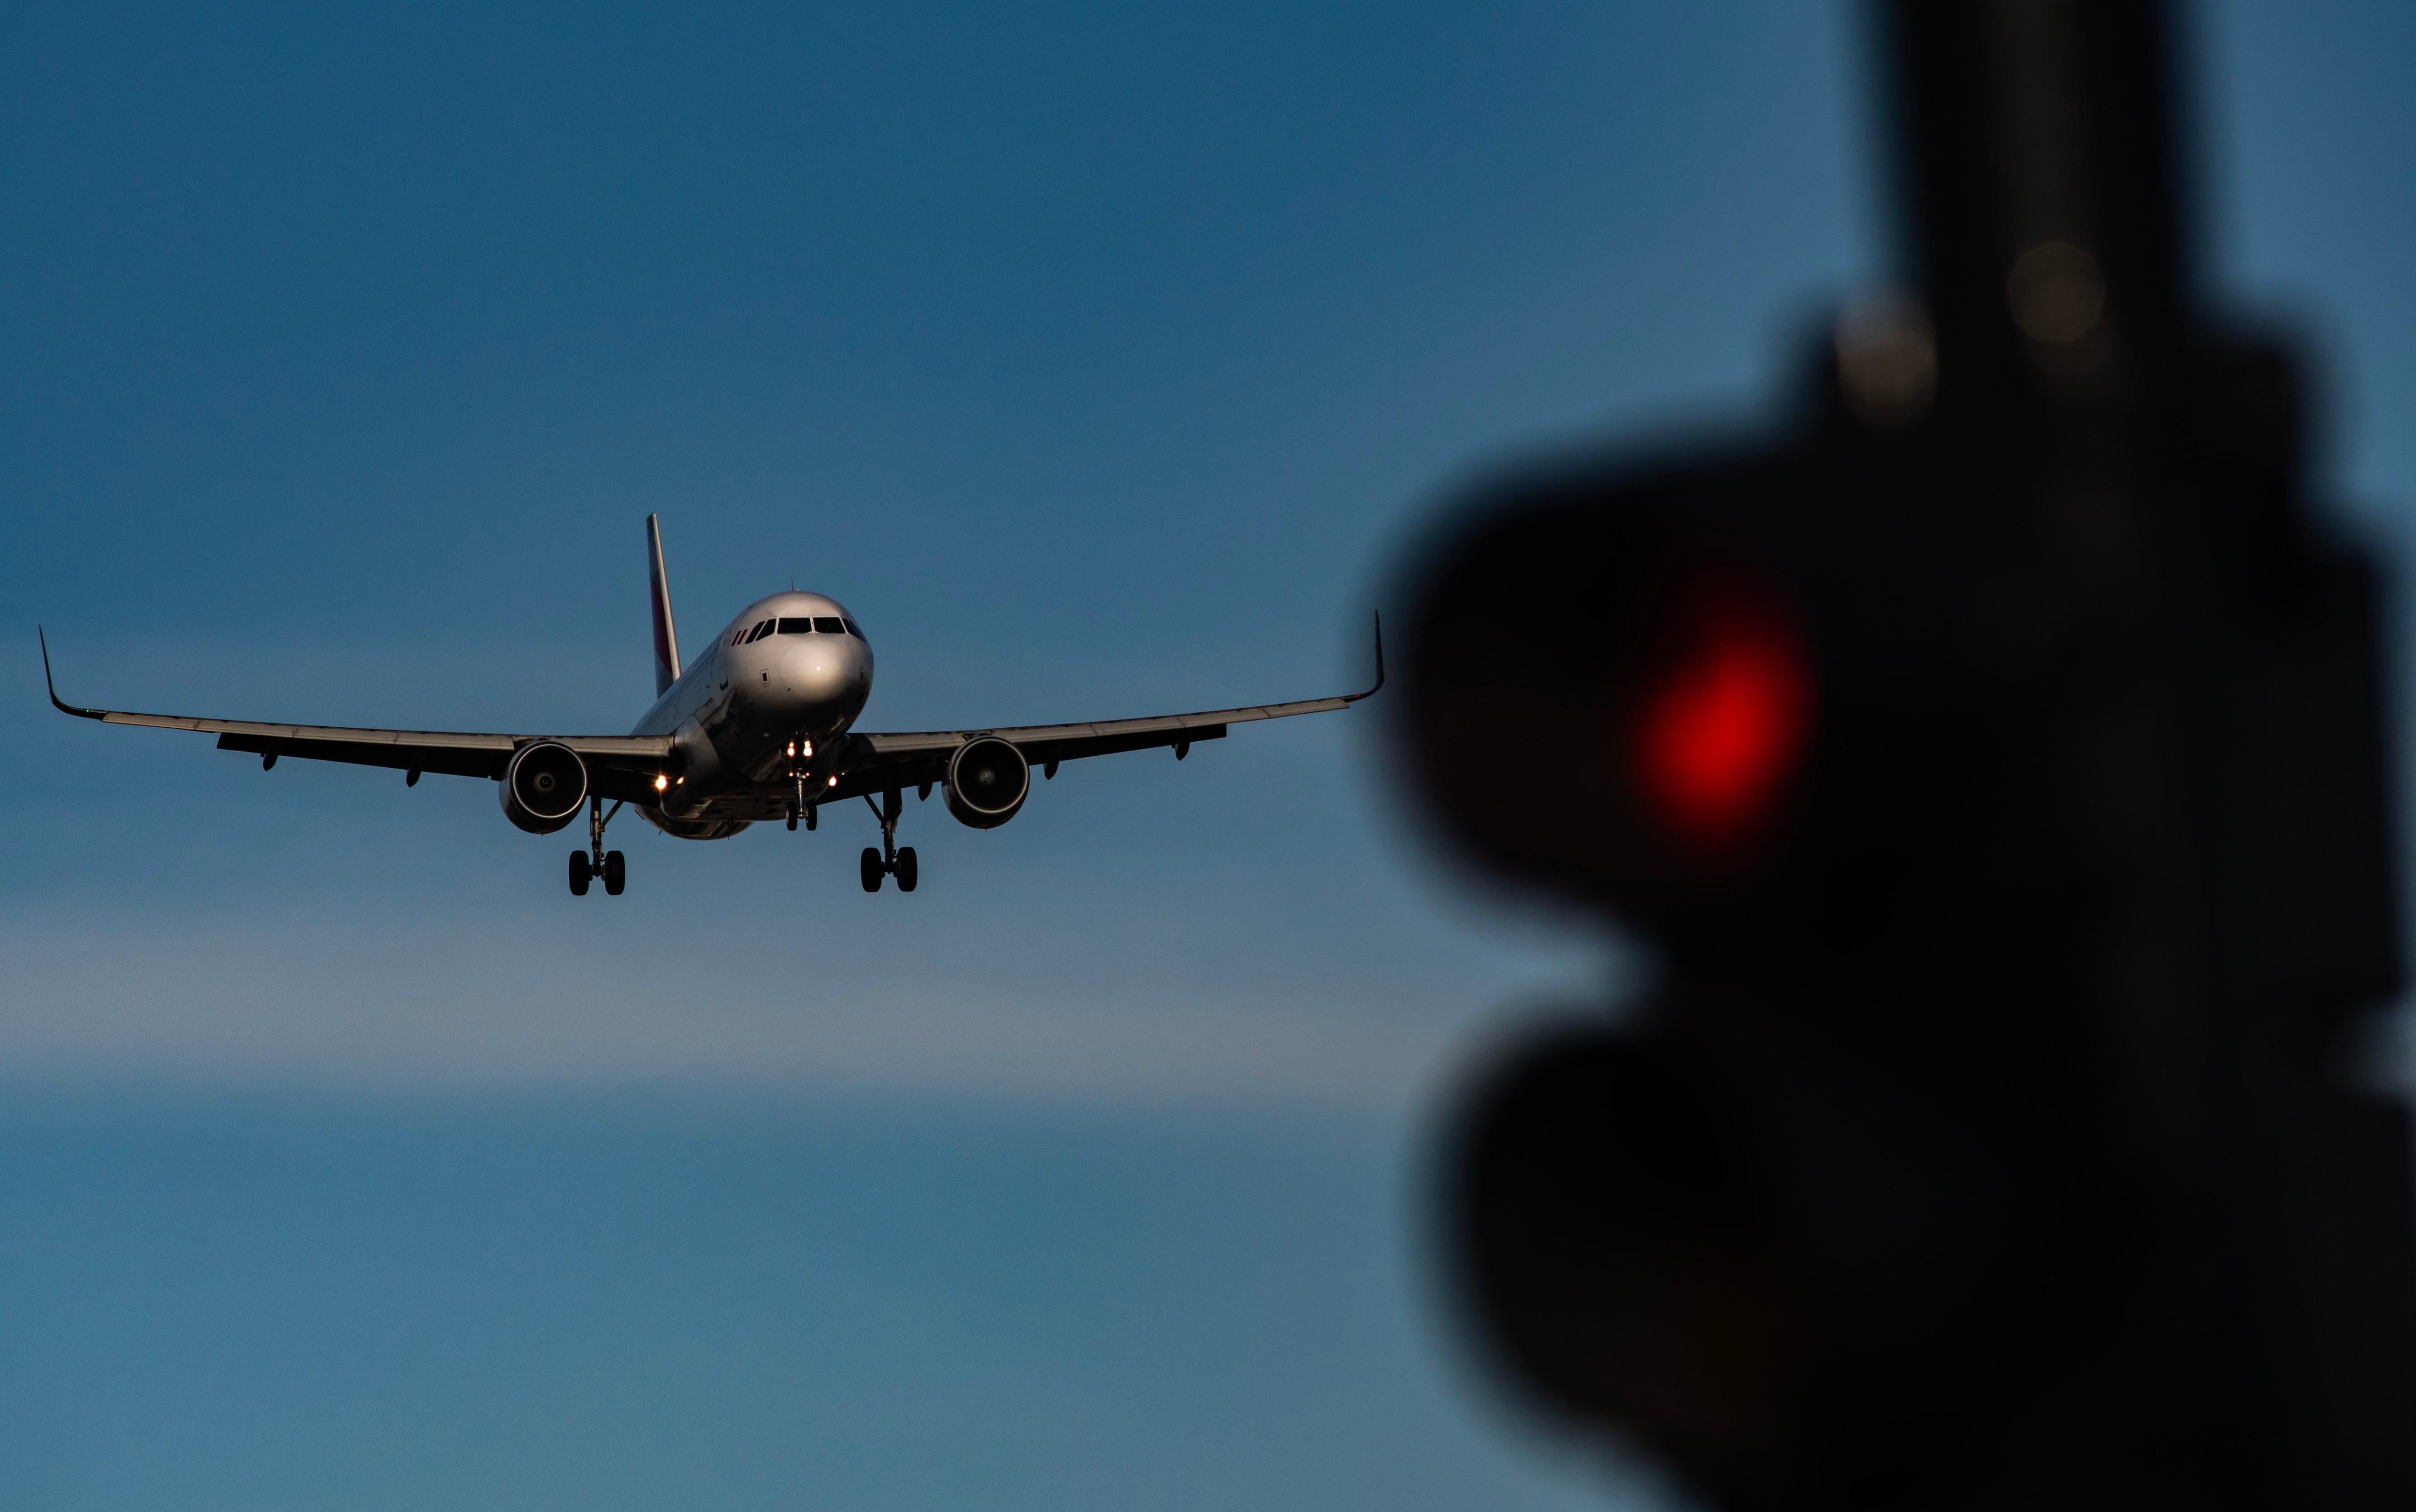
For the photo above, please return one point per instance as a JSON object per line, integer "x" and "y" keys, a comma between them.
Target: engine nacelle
{"x": 544, "y": 786}
{"x": 988, "y": 781}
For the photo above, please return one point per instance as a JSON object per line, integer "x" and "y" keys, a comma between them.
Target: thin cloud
{"x": 401, "y": 1009}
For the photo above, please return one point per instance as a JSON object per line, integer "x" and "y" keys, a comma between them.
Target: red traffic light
{"x": 1722, "y": 722}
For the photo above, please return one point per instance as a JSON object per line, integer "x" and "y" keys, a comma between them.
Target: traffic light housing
{"x": 1993, "y": 761}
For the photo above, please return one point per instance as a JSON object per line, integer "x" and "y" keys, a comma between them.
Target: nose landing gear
{"x": 798, "y": 804}
{"x": 595, "y": 861}
{"x": 889, "y": 860}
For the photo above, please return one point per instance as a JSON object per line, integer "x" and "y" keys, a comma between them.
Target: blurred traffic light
{"x": 1994, "y": 762}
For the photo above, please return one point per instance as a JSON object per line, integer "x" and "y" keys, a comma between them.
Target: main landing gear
{"x": 888, "y": 861}
{"x": 595, "y": 861}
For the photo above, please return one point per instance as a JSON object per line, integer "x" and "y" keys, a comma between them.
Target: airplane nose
{"x": 821, "y": 670}
{"x": 816, "y": 673}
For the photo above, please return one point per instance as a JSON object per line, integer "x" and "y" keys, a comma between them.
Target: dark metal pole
{"x": 2215, "y": 706}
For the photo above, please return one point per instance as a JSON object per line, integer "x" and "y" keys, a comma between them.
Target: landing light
{"x": 661, "y": 782}
{"x": 834, "y": 781}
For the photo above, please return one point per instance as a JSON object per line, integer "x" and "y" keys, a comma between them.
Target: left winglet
{"x": 1353, "y": 698}
{"x": 55, "y": 702}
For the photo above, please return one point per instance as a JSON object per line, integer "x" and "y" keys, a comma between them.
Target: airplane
{"x": 760, "y": 727}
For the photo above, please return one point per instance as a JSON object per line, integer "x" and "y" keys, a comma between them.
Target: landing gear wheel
{"x": 906, "y": 869}
{"x": 579, "y": 873}
{"x": 616, "y": 873}
{"x": 871, "y": 866}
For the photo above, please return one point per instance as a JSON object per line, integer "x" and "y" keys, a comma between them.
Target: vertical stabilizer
{"x": 659, "y": 594}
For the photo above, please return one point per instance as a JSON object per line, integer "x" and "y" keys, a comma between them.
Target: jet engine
{"x": 544, "y": 786}
{"x": 988, "y": 781}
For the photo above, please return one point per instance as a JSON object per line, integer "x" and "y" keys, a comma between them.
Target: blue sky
{"x": 1102, "y": 359}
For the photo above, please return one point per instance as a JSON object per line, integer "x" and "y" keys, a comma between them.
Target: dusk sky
{"x": 1104, "y": 362}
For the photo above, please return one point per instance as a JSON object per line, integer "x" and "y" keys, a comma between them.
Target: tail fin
{"x": 666, "y": 661}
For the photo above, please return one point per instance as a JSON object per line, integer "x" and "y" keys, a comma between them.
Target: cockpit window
{"x": 853, "y": 629}
{"x": 796, "y": 626}
{"x": 830, "y": 625}
{"x": 737, "y": 635}
{"x": 760, "y": 631}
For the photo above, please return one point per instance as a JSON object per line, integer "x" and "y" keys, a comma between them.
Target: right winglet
{"x": 55, "y": 702}
{"x": 1353, "y": 698}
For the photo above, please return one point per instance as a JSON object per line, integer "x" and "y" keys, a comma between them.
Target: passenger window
{"x": 829, "y": 626}
{"x": 796, "y": 626}
{"x": 853, "y": 629}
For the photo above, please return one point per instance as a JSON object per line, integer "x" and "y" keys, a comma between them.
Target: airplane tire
{"x": 869, "y": 868}
{"x": 616, "y": 873}
{"x": 907, "y": 870}
{"x": 579, "y": 873}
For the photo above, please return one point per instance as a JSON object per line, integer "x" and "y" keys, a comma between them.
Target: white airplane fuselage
{"x": 760, "y": 705}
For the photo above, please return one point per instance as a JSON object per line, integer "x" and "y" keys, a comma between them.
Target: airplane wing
{"x": 906, "y": 759}
{"x": 619, "y": 767}
{"x": 623, "y": 767}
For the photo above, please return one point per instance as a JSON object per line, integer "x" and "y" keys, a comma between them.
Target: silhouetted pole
{"x": 2220, "y": 721}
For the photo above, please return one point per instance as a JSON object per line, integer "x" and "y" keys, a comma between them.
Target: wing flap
{"x": 453, "y": 760}
{"x": 615, "y": 770}
{"x": 347, "y": 736}
{"x": 907, "y": 770}
{"x": 1077, "y": 746}
{"x": 316, "y": 733}
{"x": 894, "y": 760}
{"x": 1102, "y": 737}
